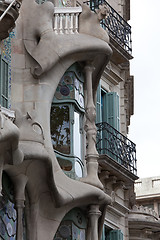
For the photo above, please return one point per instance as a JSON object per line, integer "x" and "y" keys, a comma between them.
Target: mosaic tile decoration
{"x": 70, "y": 87}
{"x": 77, "y": 233}
{"x": 8, "y": 219}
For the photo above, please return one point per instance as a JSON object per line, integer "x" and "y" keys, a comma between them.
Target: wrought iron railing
{"x": 117, "y": 27}
{"x": 112, "y": 143}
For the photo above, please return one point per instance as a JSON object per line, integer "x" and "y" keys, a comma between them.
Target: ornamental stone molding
{"x": 41, "y": 57}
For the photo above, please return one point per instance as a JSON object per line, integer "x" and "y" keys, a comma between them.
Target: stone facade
{"x": 67, "y": 166}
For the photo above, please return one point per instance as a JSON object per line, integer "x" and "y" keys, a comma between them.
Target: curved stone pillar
{"x": 91, "y": 132}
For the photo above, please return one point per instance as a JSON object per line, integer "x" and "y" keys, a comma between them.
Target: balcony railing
{"x": 66, "y": 20}
{"x": 112, "y": 143}
{"x": 117, "y": 27}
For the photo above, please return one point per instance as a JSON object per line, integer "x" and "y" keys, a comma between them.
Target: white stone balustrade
{"x": 66, "y": 20}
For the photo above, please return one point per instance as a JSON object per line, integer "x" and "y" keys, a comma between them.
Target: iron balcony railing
{"x": 112, "y": 143}
{"x": 117, "y": 27}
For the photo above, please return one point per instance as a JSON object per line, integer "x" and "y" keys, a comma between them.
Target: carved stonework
{"x": 42, "y": 54}
{"x": 91, "y": 132}
{"x": 102, "y": 12}
{"x": 9, "y": 12}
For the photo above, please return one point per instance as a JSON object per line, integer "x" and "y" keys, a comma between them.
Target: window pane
{"x": 8, "y": 215}
{"x": 77, "y": 135}
{"x": 78, "y": 169}
{"x": 60, "y": 128}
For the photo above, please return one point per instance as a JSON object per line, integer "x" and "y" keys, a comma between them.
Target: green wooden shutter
{"x": 112, "y": 110}
{"x": 103, "y": 233}
{"x": 115, "y": 235}
{"x": 3, "y": 82}
{"x": 98, "y": 106}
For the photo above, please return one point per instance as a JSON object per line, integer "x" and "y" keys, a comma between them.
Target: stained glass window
{"x": 73, "y": 226}
{"x": 70, "y": 87}
{"x": 8, "y": 216}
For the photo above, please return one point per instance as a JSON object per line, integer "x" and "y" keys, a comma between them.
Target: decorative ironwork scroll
{"x": 117, "y": 146}
{"x": 117, "y": 27}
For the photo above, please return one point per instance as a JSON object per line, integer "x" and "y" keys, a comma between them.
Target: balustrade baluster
{"x": 76, "y": 22}
{"x": 56, "y": 23}
{"x": 66, "y": 20}
{"x": 61, "y": 23}
{"x": 66, "y": 23}
{"x": 71, "y": 23}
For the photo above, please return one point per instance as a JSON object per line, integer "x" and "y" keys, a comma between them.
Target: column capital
{"x": 94, "y": 210}
{"x": 89, "y": 67}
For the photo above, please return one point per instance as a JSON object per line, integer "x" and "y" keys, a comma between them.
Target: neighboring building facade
{"x": 148, "y": 193}
{"x": 147, "y": 207}
{"x": 66, "y": 75}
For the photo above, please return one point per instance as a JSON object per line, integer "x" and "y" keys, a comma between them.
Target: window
{"x": 73, "y": 226}
{"x": 110, "y": 234}
{"x": 114, "y": 235}
{"x": 108, "y": 108}
{"x": 108, "y": 114}
{"x": 60, "y": 128}
{"x": 66, "y": 118}
{"x": 8, "y": 216}
{"x": 3, "y": 82}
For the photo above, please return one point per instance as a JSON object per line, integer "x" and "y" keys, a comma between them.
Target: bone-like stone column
{"x": 94, "y": 215}
{"x": 19, "y": 182}
{"x": 91, "y": 132}
{"x": 19, "y": 207}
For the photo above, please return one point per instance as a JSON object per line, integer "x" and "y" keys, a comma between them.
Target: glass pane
{"x": 60, "y": 128}
{"x": 78, "y": 169}
{"x": 8, "y": 215}
{"x": 66, "y": 165}
{"x": 77, "y": 135}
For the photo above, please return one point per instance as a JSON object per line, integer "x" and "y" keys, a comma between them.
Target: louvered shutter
{"x": 115, "y": 235}
{"x": 112, "y": 110}
{"x": 3, "y": 82}
{"x": 98, "y": 106}
{"x": 103, "y": 233}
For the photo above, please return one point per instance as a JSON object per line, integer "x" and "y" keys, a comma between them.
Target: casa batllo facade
{"x": 66, "y": 95}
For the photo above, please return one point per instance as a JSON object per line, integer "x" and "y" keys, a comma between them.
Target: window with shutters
{"x": 3, "y": 82}
{"x": 108, "y": 108}
{"x": 115, "y": 235}
{"x": 109, "y": 234}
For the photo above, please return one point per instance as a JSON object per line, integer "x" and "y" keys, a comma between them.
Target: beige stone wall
{"x": 113, "y": 80}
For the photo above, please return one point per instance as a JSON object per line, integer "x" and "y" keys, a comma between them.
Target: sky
{"x": 145, "y": 123}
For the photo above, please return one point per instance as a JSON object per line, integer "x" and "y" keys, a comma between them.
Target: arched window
{"x": 73, "y": 226}
{"x": 8, "y": 216}
{"x": 66, "y": 119}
